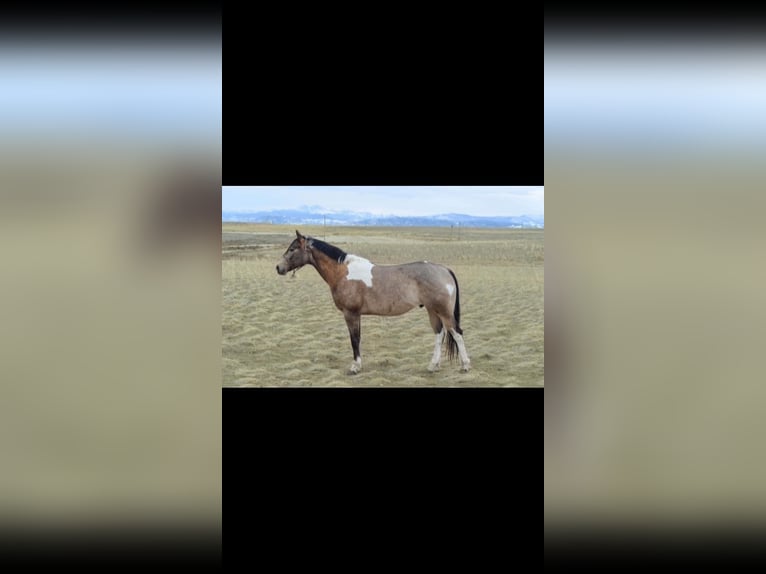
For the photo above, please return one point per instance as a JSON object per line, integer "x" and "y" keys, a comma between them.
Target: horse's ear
{"x": 297, "y": 234}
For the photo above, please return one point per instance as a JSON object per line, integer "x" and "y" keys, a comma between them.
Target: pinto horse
{"x": 360, "y": 287}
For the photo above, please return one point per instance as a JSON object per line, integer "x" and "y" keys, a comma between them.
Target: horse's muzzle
{"x": 280, "y": 271}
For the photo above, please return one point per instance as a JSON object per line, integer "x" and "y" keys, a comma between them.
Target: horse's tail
{"x": 452, "y": 349}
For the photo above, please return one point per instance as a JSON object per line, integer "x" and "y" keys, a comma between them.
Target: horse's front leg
{"x": 354, "y": 323}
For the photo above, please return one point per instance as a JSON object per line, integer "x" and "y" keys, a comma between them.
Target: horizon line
{"x": 331, "y": 212}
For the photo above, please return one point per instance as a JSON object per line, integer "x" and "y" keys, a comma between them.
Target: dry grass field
{"x": 286, "y": 331}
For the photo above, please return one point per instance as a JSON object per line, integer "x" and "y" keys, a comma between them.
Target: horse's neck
{"x": 328, "y": 268}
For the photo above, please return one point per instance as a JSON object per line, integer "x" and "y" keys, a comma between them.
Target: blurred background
{"x": 654, "y": 161}
{"x": 110, "y": 175}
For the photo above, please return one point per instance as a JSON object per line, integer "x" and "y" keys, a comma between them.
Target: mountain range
{"x": 313, "y": 215}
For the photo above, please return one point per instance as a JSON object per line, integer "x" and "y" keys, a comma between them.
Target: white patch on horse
{"x": 359, "y": 269}
{"x": 450, "y": 288}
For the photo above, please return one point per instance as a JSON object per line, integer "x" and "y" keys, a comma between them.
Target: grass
{"x": 286, "y": 331}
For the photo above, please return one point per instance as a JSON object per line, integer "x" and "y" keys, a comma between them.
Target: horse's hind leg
{"x": 466, "y": 362}
{"x": 354, "y": 324}
{"x": 449, "y": 326}
{"x": 436, "y": 324}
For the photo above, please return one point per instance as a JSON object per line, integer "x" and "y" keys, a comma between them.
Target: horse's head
{"x": 296, "y": 256}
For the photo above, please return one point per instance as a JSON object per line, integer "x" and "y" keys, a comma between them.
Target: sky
{"x": 391, "y": 200}
{"x": 165, "y": 90}
{"x": 655, "y": 96}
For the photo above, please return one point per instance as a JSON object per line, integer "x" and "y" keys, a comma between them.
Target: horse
{"x": 360, "y": 287}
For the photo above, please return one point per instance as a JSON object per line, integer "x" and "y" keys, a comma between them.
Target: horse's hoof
{"x": 467, "y": 367}
{"x": 433, "y": 368}
{"x": 353, "y": 370}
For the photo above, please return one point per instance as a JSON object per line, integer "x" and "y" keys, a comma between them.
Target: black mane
{"x": 330, "y": 250}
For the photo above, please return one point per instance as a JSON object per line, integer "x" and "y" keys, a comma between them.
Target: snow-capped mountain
{"x": 316, "y": 215}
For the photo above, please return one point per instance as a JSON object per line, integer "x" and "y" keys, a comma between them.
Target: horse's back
{"x": 427, "y": 272}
